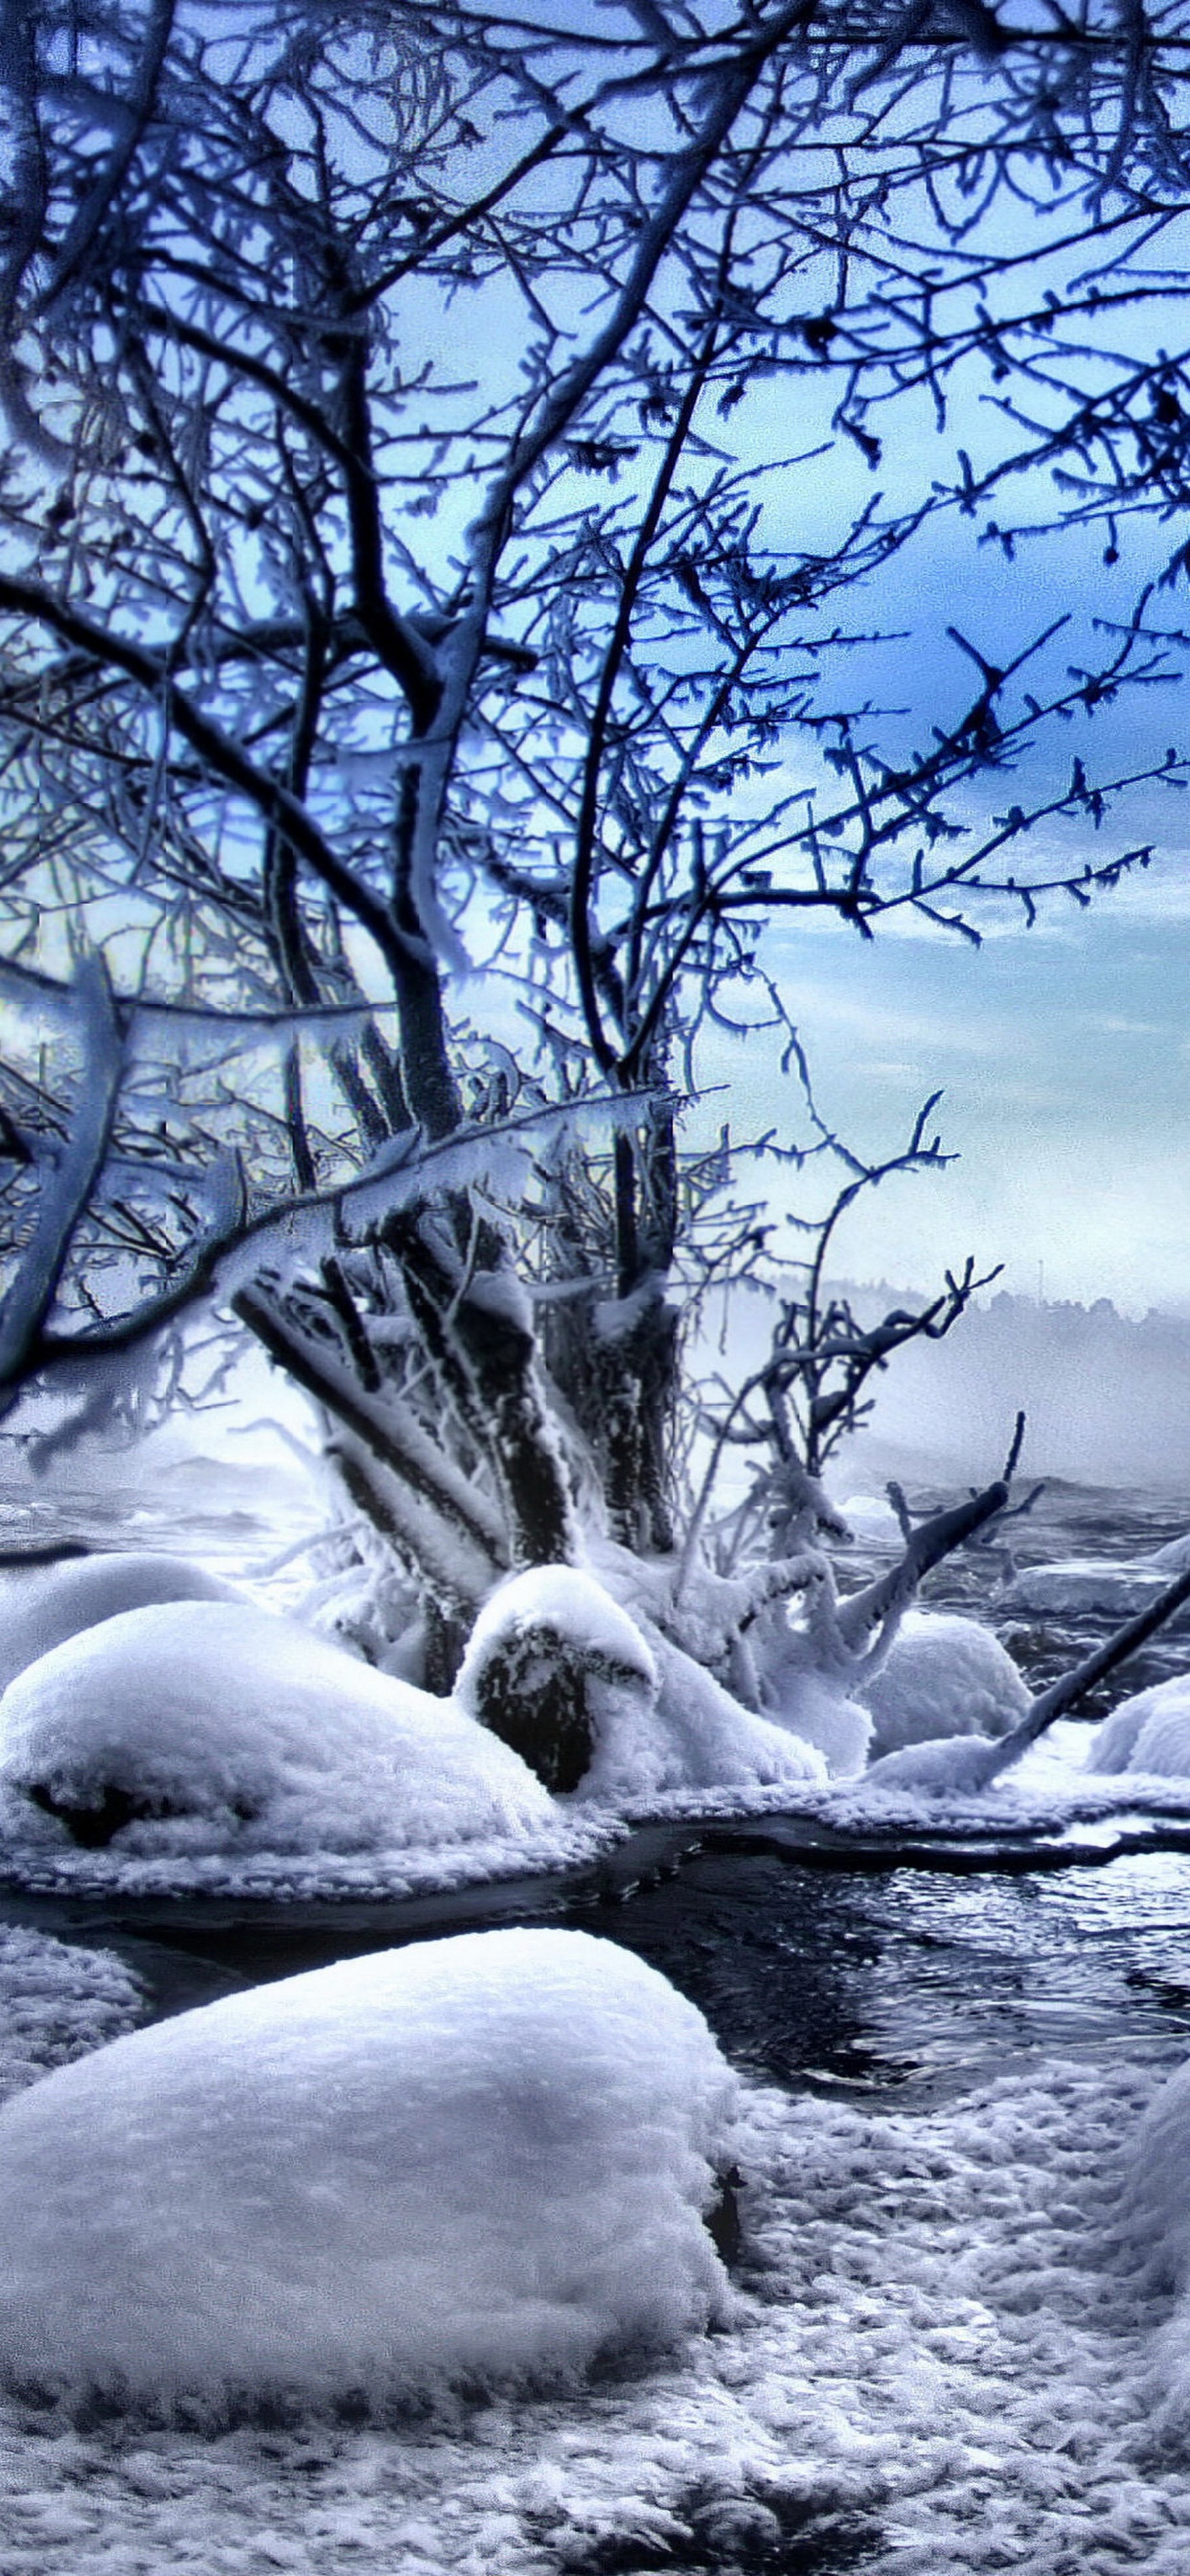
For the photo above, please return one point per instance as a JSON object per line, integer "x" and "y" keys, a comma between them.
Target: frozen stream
{"x": 944, "y": 2360}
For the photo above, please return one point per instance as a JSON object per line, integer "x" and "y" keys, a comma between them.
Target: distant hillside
{"x": 1108, "y": 1400}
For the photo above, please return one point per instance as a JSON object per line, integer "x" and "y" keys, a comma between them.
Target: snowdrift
{"x": 195, "y": 1726}
{"x": 1148, "y": 1732}
{"x": 944, "y": 1675}
{"x": 484, "y": 2158}
{"x": 43, "y": 1605}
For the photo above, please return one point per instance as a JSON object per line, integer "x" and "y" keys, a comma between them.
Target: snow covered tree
{"x": 438, "y": 512}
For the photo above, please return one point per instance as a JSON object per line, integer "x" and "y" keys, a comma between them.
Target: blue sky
{"x": 1063, "y": 1051}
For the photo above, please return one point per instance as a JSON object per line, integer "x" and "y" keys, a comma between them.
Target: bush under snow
{"x": 1148, "y": 1732}
{"x": 40, "y": 1606}
{"x": 944, "y": 1676}
{"x": 479, "y": 2158}
{"x": 198, "y": 1724}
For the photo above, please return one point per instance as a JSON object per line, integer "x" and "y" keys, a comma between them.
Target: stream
{"x": 817, "y": 1966}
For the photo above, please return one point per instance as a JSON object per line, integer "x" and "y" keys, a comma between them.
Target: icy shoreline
{"x": 1070, "y": 1819}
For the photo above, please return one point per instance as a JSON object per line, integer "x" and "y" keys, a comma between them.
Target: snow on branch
{"x": 69, "y": 1180}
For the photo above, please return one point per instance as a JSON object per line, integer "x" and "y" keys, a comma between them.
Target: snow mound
{"x": 605, "y": 1706}
{"x": 479, "y": 2158}
{"x": 1148, "y": 1732}
{"x": 795, "y": 1695}
{"x": 942, "y": 1766}
{"x": 944, "y": 1676}
{"x": 41, "y": 1606}
{"x": 1173, "y": 1558}
{"x": 873, "y": 1521}
{"x": 196, "y": 1725}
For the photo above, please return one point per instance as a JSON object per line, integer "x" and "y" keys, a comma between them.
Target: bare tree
{"x": 433, "y": 546}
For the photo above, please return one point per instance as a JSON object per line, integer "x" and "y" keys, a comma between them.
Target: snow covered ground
{"x": 941, "y": 2349}
{"x": 944, "y": 2354}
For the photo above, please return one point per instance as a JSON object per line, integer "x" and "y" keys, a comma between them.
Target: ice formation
{"x": 1148, "y": 1732}
{"x": 1068, "y": 1588}
{"x": 43, "y": 1605}
{"x": 944, "y": 1676}
{"x": 487, "y": 2157}
{"x": 196, "y": 1725}
{"x": 649, "y": 1719}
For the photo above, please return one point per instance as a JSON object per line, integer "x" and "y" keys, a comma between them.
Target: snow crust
{"x": 1148, "y": 1732}
{"x": 40, "y": 1606}
{"x": 484, "y": 2158}
{"x": 944, "y": 1675}
{"x": 58, "y": 2002}
{"x": 1158, "y": 2210}
{"x": 935, "y": 2351}
{"x": 245, "y": 1731}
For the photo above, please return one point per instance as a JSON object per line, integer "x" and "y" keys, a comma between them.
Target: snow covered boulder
{"x": 1148, "y": 1732}
{"x": 42, "y": 1605}
{"x": 486, "y": 2158}
{"x": 199, "y": 1725}
{"x": 944, "y": 1676}
{"x": 605, "y": 1710}
{"x": 550, "y": 1662}
{"x": 873, "y": 1522}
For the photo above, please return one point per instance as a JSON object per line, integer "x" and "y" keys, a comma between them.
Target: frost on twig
{"x": 68, "y": 1179}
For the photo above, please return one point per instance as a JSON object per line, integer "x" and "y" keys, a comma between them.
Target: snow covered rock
{"x": 550, "y": 1662}
{"x": 1148, "y": 1732}
{"x": 480, "y": 2158}
{"x": 1173, "y": 1558}
{"x": 197, "y": 1725}
{"x": 872, "y": 1521}
{"x": 944, "y": 1676}
{"x": 43, "y": 1605}
{"x": 555, "y": 1662}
